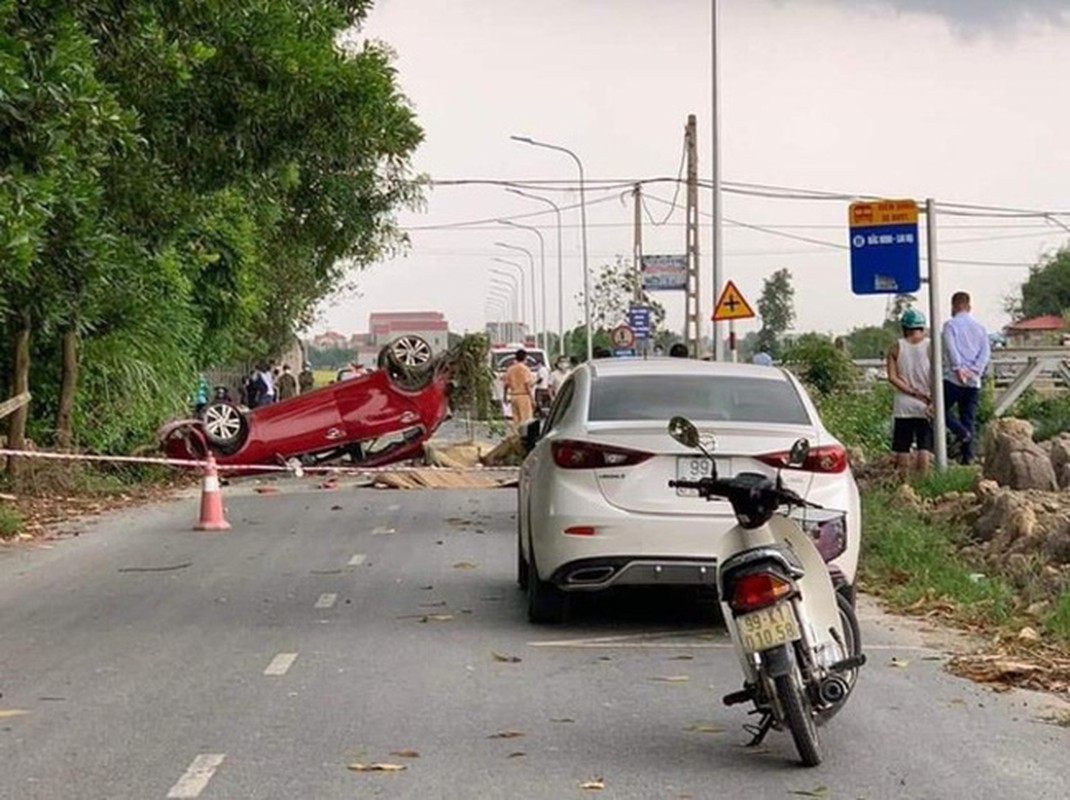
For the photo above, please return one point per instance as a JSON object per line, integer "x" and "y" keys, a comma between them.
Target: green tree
{"x": 872, "y": 341}
{"x": 1047, "y": 289}
{"x": 776, "y": 307}
{"x": 898, "y": 304}
{"x": 181, "y": 184}
{"x": 820, "y": 363}
{"x": 615, "y": 288}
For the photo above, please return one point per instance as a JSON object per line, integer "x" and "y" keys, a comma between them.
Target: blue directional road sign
{"x": 884, "y": 247}
{"x": 639, "y": 320}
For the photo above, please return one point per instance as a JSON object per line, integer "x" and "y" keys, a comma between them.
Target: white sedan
{"x": 595, "y": 507}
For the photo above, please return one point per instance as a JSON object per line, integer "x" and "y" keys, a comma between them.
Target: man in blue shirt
{"x": 966, "y": 354}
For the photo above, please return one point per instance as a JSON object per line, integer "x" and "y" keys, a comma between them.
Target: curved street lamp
{"x": 542, "y": 271}
{"x": 531, "y": 281}
{"x": 520, "y": 278}
{"x": 560, "y": 267}
{"x": 583, "y": 233}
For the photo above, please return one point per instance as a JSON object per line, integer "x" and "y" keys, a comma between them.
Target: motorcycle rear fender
{"x": 778, "y": 662}
{"x": 781, "y": 560}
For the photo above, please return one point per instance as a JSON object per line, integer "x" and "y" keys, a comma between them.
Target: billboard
{"x": 664, "y": 273}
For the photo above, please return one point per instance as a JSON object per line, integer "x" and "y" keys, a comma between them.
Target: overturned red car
{"x": 370, "y": 420}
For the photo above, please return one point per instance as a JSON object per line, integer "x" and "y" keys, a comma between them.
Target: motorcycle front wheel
{"x": 799, "y": 717}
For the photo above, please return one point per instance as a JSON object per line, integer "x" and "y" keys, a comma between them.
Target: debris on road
{"x": 465, "y": 565}
{"x": 594, "y": 785}
{"x": 406, "y": 753}
{"x": 376, "y": 767}
{"x": 506, "y": 735}
{"x": 165, "y": 568}
{"x": 505, "y": 659}
{"x": 1031, "y": 666}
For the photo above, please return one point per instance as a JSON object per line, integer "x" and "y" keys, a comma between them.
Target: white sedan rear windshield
{"x": 697, "y": 397}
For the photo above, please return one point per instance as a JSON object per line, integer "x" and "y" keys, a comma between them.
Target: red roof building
{"x": 1044, "y": 331}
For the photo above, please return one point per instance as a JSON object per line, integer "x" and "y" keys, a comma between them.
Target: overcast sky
{"x": 960, "y": 100}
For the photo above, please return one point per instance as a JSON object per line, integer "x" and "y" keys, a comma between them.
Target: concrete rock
{"x": 1013, "y": 459}
{"x": 1060, "y": 458}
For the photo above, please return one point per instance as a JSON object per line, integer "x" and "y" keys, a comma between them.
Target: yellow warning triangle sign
{"x": 731, "y": 305}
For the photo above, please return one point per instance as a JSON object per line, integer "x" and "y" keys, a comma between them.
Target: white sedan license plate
{"x": 767, "y": 628}
{"x": 693, "y": 468}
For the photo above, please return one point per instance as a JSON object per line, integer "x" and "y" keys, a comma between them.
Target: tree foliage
{"x": 180, "y": 184}
{"x": 821, "y": 363}
{"x": 1047, "y": 290}
{"x": 776, "y": 307}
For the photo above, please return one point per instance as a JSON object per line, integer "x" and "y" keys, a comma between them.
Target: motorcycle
{"x": 795, "y": 634}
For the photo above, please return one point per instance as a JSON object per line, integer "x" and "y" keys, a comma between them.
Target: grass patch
{"x": 958, "y": 478}
{"x": 911, "y": 561}
{"x": 10, "y": 522}
{"x": 1057, "y": 623}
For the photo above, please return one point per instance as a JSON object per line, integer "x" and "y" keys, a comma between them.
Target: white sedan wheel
{"x": 411, "y": 351}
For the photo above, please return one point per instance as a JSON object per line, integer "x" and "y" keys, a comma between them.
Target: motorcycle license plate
{"x": 767, "y": 628}
{"x": 693, "y": 468}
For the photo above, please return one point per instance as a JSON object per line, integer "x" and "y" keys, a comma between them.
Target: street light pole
{"x": 520, "y": 273}
{"x": 509, "y": 286}
{"x": 718, "y": 226}
{"x": 542, "y": 273}
{"x": 560, "y": 268}
{"x": 501, "y": 273}
{"x": 583, "y": 235}
{"x": 531, "y": 284}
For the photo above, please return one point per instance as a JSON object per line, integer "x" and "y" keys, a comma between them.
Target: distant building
{"x": 1045, "y": 331}
{"x": 385, "y": 326}
{"x": 331, "y": 340}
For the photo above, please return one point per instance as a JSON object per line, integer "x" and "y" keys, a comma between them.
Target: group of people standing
{"x": 268, "y": 383}
{"x": 966, "y": 350}
{"x": 520, "y": 381}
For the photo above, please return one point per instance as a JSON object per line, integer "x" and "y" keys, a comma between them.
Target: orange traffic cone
{"x": 212, "y": 517}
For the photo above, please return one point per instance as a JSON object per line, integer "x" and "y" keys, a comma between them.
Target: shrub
{"x": 10, "y": 522}
{"x": 860, "y": 419}
{"x": 821, "y": 364}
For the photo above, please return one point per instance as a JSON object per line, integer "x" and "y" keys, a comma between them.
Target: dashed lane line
{"x": 357, "y": 560}
{"x": 327, "y": 600}
{"x": 195, "y": 779}
{"x": 280, "y": 664}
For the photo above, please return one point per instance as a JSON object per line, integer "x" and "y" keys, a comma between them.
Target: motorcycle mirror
{"x": 684, "y": 431}
{"x": 798, "y": 453}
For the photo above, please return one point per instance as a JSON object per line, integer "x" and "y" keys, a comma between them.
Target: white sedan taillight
{"x": 831, "y": 458}
{"x": 572, "y": 454}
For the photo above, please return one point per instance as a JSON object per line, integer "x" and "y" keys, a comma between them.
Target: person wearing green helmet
{"x": 910, "y": 372}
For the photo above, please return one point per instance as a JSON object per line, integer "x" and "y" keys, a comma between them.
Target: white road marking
{"x": 193, "y": 781}
{"x": 357, "y": 560}
{"x": 280, "y": 664}
{"x": 327, "y": 600}
{"x": 382, "y": 531}
{"x": 649, "y": 641}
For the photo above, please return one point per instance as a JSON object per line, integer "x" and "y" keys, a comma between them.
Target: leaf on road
{"x": 506, "y": 735}
{"x": 376, "y": 767}
{"x": 562, "y": 720}
{"x": 902, "y": 663}
{"x": 165, "y": 568}
{"x": 703, "y": 728}
{"x": 405, "y": 753}
{"x": 505, "y": 659}
{"x": 672, "y": 678}
{"x": 465, "y": 565}
{"x": 820, "y": 791}
{"x": 427, "y": 588}
{"x": 7, "y": 713}
{"x": 682, "y": 658}
{"x": 436, "y": 618}
{"x": 594, "y": 785}
{"x": 266, "y": 490}
{"x": 517, "y": 754}
{"x": 336, "y": 508}
{"x": 438, "y": 604}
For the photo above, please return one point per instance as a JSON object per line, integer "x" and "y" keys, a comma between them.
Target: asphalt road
{"x": 338, "y": 627}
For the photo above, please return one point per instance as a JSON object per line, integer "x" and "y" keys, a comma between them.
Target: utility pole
{"x": 692, "y": 303}
{"x": 717, "y": 243}
{"x": 936, "y": 338}
{"x": 637, "y": 257}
